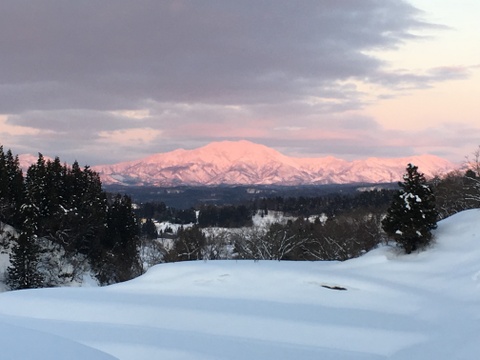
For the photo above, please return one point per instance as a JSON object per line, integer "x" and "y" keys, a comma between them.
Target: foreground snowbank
{"x": 424, "y": 305}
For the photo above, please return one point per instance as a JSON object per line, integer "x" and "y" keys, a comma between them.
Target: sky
{"x": 111, "y": 81}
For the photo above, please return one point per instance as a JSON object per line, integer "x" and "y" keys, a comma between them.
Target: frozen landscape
{"x": 383, "y": 305}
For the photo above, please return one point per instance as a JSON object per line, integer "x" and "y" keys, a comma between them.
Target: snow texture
{"x": 425, "y": 305}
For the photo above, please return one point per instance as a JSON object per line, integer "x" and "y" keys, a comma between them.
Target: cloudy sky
{"x": 110, "y": 81}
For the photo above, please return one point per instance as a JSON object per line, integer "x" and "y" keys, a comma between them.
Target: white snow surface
{"x": 424, "y": 305}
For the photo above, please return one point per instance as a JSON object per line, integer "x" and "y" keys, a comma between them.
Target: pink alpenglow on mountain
{"x": 246, "y": 163}
{"x": 26, "y": 160}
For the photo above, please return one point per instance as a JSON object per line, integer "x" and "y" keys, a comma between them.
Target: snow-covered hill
{"x": 395, "y": 306}
{"x": 246, "y": 163}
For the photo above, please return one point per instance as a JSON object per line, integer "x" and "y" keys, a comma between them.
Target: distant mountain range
{"x": 28, "y": 159}
{"x": 247, "y": 163}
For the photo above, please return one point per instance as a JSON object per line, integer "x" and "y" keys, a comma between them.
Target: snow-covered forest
{"x": 57, "y": 224}
{"x": 59, "y": 227}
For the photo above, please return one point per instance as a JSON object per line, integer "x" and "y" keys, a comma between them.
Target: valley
{"x": 184, "y": 197}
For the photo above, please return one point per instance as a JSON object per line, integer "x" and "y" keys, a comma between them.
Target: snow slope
{"x": 420, "y": 306}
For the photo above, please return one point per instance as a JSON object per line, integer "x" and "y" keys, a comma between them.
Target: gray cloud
{"x": 258, "y": 64}
{"x": 71, "y": 121}
{"x": 189, "y": 51}
{"x": 406, "y": 80}
{"x": 453, "y": 141}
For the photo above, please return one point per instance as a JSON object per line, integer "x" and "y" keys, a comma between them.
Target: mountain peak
{"x": 238, "y": 150}
{"x": 26, "y": 160}
{"x": 247, "y": 163}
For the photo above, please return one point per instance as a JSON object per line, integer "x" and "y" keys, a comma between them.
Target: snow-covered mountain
{"x": 28, "y": 159}
{"x": 247, "y": 163}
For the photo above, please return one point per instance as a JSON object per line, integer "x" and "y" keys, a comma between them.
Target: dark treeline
{"x": 186, "y": 197}
{"x": 228, "y": 216}
{"x": 234, "y": 216}
{"x": 330, "y": 227}
{"x": 161, "y": 212}
{"x": 330, "y": 205}
{"x": 63, "y": 208}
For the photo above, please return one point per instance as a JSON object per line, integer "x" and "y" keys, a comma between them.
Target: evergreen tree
{"x": 412, "y": 214}
{"x": 67, "y": 207}
{"x": 16, "y": 188}
{"x": 149, "y": 230}
{"x": 3, "y": 185}
{"x": 36, "y": 193}
{"x": 11, "y": 188}
{"x": 23, "y": 272}
{"x": 55, "y": 204}
{"x": 86, "y": 212}
{"x": 120, "y": 260}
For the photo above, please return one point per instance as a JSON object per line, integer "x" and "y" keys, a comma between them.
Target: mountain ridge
{"x": 246, "y": 163}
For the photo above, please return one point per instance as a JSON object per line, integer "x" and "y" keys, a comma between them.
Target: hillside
{"x": 420, "y": 306}
{"x": 246, "y": 163}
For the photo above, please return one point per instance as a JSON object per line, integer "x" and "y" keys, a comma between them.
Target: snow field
{"x": 424, "y": 305}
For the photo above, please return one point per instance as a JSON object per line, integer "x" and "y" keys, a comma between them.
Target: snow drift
{"x": 420, "y": 306}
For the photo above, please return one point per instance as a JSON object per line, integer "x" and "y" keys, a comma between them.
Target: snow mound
{"x": 424, "y": 305}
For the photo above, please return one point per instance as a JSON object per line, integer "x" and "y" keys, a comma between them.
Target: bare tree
{"x": 473, "y": 163}
{"x": 151, "y": 252}
{"x": 218, "y": 244}
{"x": 189, "y": 244}
{"x": 247, "y": 243}
{"x": 472, "y": 174}
{"x": 277, "y": 242}
{"x": 452, "y": 194}
{"x": 344, "y": 237}
{"x": 282, "y": 241}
